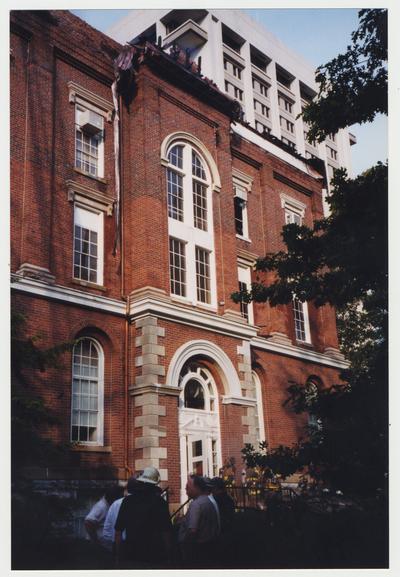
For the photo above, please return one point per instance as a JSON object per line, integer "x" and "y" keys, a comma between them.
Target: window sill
{"x": 88, "y": 284}
{"x": 193, "y": 305}
{"x": 98, "y": 178}
{"x": 304, "y": 344}
{"x": 91, "y": 448}
{"x": 245, "y": 238}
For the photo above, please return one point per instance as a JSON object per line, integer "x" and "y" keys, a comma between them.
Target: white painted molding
{"x": 170, "y": 311}
{"x": 67, "y": 295}
{"x": 292, "y": 203}
{"x": 244, "y": 401}
{"x": 242, "y": 179}
{"x": 298, "y": 352}
{"x": 87, "y": 196}
{"x": 190, "y": 316}
{"x": 223, "y": 363}
{"x": 183, "y": 137}
{"x": 77, "y": 93}
{"x": 270, "y": 147}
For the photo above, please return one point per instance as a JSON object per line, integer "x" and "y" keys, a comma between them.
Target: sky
{"x": 318, "y": 35}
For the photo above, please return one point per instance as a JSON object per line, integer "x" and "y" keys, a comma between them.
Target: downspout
{"x": 119, "y": 239}
{"x": 27, "y": 79}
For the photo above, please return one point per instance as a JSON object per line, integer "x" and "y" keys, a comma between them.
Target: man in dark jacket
{"x": 225, "y": 503}
{"x": 145, "y": 518}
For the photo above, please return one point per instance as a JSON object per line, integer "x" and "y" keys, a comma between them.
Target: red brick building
{"x": 167, "y": 370}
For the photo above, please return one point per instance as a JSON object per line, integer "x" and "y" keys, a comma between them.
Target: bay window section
{"x": 190, "y": 222}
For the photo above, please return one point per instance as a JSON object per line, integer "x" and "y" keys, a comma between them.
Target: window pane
{"x": 299, "y": 322}
{"x": 175, "y": 156}
{"x": 175, "y": 195}
{"x": 194, "y": 395}
{"x": 200, "y": 205}
{"x": 85, "y": 408}
{"x": 86, "y": 151}
{"x": 244, "y": 307}
{"x": 197, "y": 167}
{"x": 203, "y": 275}
{"x": 239, "y": 206}
{"x": 177, "y": 262}
{"x": 85, "y": 243}
{"x": 197, "y": 448}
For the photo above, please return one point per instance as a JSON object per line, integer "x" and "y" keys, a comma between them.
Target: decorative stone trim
{"x": 246, "y": 257}
{"x": 78, "y": 93}
{"x": 334, "y": 353}
{"x": 279, "y": 338}
{"x": 194, "y": 141}
{"x": 36, "y": 272}
{"x": 87, "y": 196}
{"x": 240, "y": 178}
{"x": 148, "y": 441}
{"x": 146, "y": 392}
{"x": 91, "y": 449}
{"x": 250, "y": 419}
{"x": 292, "y": 203}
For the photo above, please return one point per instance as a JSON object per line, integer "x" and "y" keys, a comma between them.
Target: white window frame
{"x": 185, "y": 231}
{"x": 92, "y": 219}
{"x": 292, "y": 208}
{"x": 244, "y": 276}
{"x": 304, "y": 306}
{"x": 82, "y": 107}
{"x": 100, "y": 397}
{"x": 260, "y": 407}
{"x": 242, "y": 184}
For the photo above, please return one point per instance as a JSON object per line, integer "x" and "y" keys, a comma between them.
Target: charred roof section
{"x": 176, "y": 67}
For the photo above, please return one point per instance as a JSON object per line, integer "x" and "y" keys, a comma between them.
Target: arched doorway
{"x": 199, "y": 429}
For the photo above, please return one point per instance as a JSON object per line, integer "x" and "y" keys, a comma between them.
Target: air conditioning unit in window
{"x": 91, "y": 123}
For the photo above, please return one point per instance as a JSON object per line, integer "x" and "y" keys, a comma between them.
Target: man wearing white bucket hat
{"x": 145, "y": 517}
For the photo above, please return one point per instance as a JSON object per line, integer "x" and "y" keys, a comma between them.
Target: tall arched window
{"x": 190, "y": 223}
{"x": 87, "y": 392}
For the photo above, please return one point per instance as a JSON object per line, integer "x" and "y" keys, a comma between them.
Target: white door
{"x": 200, "y": 444}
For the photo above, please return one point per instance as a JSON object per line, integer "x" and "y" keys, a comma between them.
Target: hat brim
{"x": 145, "y": 480}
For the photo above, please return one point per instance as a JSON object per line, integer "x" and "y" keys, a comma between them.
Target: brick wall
{"x": 46, "y": 56}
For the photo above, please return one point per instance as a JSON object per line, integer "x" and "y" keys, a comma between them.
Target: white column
{"x": 276, "y": 129}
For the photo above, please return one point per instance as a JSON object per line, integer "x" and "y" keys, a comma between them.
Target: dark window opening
{"x": 239, "y": 206}
{"x": 194, "y": 395}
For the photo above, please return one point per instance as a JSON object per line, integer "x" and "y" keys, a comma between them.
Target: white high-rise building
{"x": 245, "y": 60}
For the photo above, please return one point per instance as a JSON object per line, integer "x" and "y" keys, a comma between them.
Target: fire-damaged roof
{"x": 174, "y": 64}
{"x": 187, "y": 75}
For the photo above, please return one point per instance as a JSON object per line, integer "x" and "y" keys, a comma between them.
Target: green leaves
{"x": 342, "y": 259}
{"x": 352, "y": 86}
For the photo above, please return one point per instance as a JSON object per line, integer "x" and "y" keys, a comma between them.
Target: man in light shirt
{"x": 199, "y": 528}
{"x": 94, "y": 520}
{"x": 108, "y": 537}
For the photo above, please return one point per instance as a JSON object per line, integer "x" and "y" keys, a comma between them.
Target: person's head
{"x": 113, "y": 493}
{"x": 150, "y": 475}
{"x": 131, "y": 484}
{"x": 218, "y": 486}
{"x": 196, "y": 486}
{"x": 208, "y": 485}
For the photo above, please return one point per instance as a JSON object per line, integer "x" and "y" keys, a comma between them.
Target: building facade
{"x": 246, "y": 61}
{"x": 138, "y": 207}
